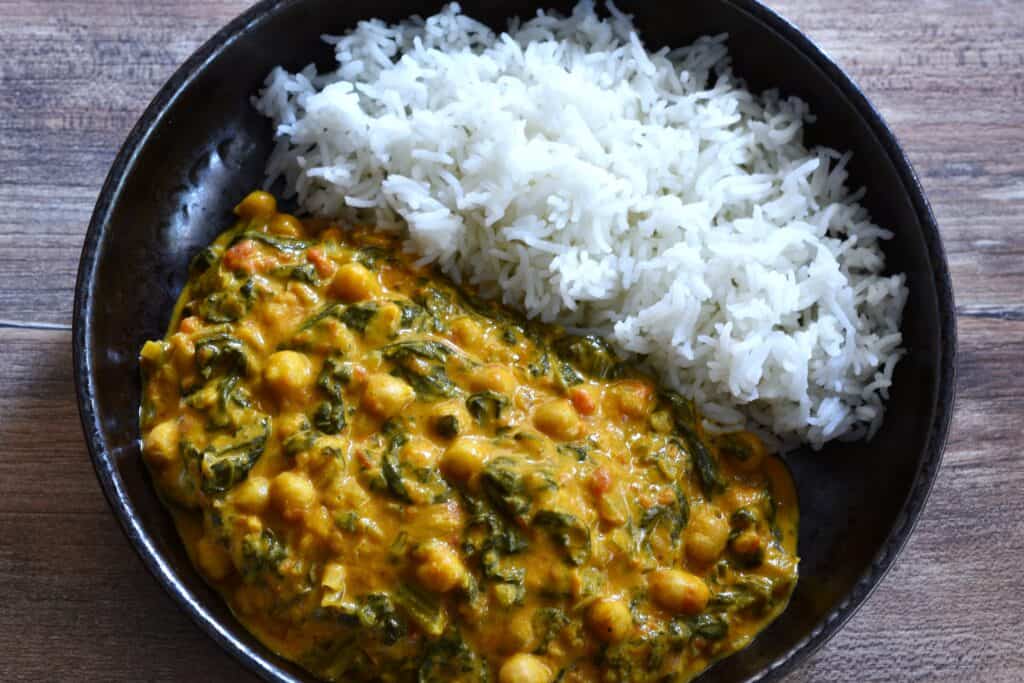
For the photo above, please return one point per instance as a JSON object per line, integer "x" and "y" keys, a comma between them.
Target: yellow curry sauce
{"x": 388, "y": 479}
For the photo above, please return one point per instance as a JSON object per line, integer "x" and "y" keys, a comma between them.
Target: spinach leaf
{"x": 412, "y": 316}
{"x": 447, "y": 426}
{"x": 222, "y": 469}
{"x": 672, "y": 638}
{"x": 672, "y": 516}
{"x": 488, "y": 531}
{"x": 753, "y": 594}
{"x": 354, "y": 316}
{"x": 591, "y": 355}
{"x": 329, "y": 417}
{"x": 707, "y": 469}
{"x": 288, "y": 245}
{"x": 332, "y": 311}
{"x": 376, "y": 611}
{"x": 542, "y": 367}
{"x": 334, "y": 377}
{"x": 486, "y": 407}
{"x": 709, "y": 627}
{"x": 448, "y": 659}
{"x": 579, "y": 451}
{"x": 201, "y": 262}
{"x": 391, "y": 470}
{"x": 430, "y": 382}
{"x": 504, "y": 486}
{"x": 358, "y": 316}
{"x": 229, "y": 304}
{"x": 427, "y": 350}
{"x": 369, "y": 256}
{"x": 567, "y": 375}
{"x": 488, "y": 538}
{"x": 220, "y": 353}
{"x": 434, "y": 383}
{"x": 422, "y": 609}
{"x": 567, "y": 532}
{"x": 685, "y": 418}
{"x": 547, "y": 623}
{"x": 305, "y": 272}
{"x": 301, "y": 440}
{"x": 231, "y": 402}
{"x": 262, "y": 552}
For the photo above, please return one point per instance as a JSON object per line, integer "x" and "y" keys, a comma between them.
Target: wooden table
{"x": 76, "y": 603}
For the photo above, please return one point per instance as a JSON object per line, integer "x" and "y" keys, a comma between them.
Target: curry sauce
{"x": 389, "y": 479}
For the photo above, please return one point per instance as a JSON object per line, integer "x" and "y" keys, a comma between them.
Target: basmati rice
{"x": 648, "y": 197}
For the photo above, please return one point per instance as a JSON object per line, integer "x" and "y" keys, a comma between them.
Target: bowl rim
{"x": 260, "y": 662}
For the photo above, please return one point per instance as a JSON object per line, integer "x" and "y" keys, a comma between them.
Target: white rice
{"x": 646, "y": 196}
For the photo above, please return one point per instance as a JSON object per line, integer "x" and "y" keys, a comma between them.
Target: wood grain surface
{"x": 76, "y": 603}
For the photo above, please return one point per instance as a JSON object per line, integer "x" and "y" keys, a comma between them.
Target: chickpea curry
{"x": 391, "y": 480}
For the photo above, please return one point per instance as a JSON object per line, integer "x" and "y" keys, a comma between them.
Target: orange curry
{"x": 391, "y": 480}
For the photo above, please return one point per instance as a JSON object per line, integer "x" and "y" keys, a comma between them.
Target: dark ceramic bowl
{"x": 199, "y": 147}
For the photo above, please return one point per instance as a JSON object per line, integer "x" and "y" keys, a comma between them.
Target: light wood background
{"x": 76, "y": 603}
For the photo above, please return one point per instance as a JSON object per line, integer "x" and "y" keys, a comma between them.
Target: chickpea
{"x": 438, "y": 520}
{"x": 285, "y": 224}
{"x": 467, "y": 332}
{"x": 440, "y": 568}
{"x": 353, "y": 282}
{"x": 384, "y": 325}
{"x": 420, "y": 453}
{"x": 610, "y": 620}
{"x": 289, "y": 374}
{"x": 464, "y": 458}
{"x": 386, "y": 396}
{"x": 534, "y": 444}
{"x": 661, "y": 422}
{"x": 287, "y": 424}
{"x": 519, "y": 635}
{"x": 749, "y": 546}
{"x": 707, "y": 534}
{"x": 252, "y": 494}
{"x": 255, "y": 204}
{"x": 213, "y": 559}
{"x": 292, "y": 494}
{"x": 160, "y": 445}
{"x": 632, "y": 397}
{"x": 280, "y": 315}
{"x": 250, "y": 333}
{"x": 557, "y": 419}
{"x": 613, "y": 508}
{"x": 678, "y": 591}
{"x": 318, "y": 522}
{"x": 494, "y": 378}
{"x": 524, "y": 668}
{"x": 183, "y": 352}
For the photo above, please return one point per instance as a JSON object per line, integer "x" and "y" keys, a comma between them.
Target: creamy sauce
{"x": 389, "y": 480}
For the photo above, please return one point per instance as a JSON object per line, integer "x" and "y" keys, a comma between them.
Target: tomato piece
{"x": 325, "y": 267}
{"x": 241, "y": 256}
{"x": 600, "y": 481}
{"x": 582, "y": 400}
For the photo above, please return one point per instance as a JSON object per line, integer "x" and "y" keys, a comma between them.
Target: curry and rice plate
{"x": 415, "y": 436}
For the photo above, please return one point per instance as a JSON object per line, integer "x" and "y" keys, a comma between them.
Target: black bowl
{"x": 200, "y": 146}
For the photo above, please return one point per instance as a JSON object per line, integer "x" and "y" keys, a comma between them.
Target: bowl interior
{"x": 201, "y": 147}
